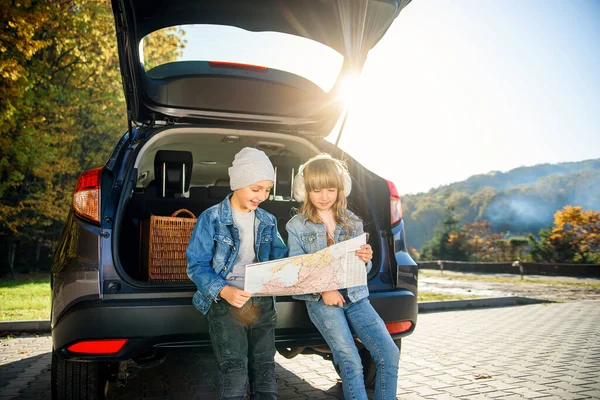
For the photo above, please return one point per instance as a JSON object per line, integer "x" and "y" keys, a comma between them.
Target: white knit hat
{"x": 249, "y": 166}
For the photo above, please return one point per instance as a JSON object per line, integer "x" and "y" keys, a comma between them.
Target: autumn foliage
{"x": 62, "y": 109}
{"x": 574, "y": 237}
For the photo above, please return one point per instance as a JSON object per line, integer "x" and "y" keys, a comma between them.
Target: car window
{"x": 298, "y": 55}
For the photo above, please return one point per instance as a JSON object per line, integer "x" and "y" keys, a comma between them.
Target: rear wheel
{"x": 78, "y": 380}
{"x": 369, "y": 365}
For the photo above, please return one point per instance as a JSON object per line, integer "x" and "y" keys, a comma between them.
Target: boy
{"x": 226, "y": 237}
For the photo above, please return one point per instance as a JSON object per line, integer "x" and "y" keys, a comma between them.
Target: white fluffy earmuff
{"x": 299, "y": 187}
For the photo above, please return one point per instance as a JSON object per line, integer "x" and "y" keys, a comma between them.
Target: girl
{"x": 322, "y": 186}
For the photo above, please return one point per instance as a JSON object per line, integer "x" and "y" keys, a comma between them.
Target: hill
{"x": 519, "y": 201}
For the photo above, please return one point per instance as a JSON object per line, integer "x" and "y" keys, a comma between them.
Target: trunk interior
{"x": 187, "y": 168}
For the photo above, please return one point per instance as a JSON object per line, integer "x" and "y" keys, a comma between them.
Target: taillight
{"x": 398, "y": 326}
{"x": 108, "y": 346}
{"x": 395, "y": 205}
{"x": 86, "y": 199}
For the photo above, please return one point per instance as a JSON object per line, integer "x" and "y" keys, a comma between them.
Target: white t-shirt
{"x": 244, "y": 221}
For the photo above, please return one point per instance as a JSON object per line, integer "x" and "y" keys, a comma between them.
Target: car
{"x": 243, "y": 73}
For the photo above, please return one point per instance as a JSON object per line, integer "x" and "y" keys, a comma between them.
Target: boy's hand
{"x": 333, "y": 298}
{"x": 234, "y": 296}
{"x": 365, "y": 253}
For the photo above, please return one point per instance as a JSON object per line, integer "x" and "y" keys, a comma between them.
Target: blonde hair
{"x": 325, "y": 173}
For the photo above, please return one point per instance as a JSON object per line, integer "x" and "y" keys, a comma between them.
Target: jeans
{"x": 243, "y": 340}
{"x": 337, "y": 324}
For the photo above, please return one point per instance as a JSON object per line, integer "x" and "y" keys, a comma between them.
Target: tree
{"x": 517, "y": 246}
{"x": 471, "y": 242}
{"x": 574, "y": 237}
{"x": 546, "y": 249}
{"x": 480, "y": 243}
{"x": 414, "y": 253}
{"x": 61, "y": 107}
{"x": 422, "y": 218}
{"x": 163, "y": 46}
{"x": 445, "y": 244}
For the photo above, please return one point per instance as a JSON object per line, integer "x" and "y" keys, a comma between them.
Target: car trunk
{"x": 206, "y": 153}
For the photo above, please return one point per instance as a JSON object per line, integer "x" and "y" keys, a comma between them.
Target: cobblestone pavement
{"x": 543, "y": 351}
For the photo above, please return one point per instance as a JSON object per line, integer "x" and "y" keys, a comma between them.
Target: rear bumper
{"x": 174, "y": 324}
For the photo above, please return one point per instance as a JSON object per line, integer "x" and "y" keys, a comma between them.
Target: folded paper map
{"x": 335, "y": 267}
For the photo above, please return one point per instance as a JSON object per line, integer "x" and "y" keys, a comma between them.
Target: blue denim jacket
{"x": 212, "y": 249}
{"x": 306, "y": 237}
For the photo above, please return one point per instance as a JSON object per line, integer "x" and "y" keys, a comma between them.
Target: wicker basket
{"x": 164, "y": 242}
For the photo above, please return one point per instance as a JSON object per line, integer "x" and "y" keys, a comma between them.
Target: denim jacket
{"x": 306, "y": 237}
{"x": 212, "y": 249}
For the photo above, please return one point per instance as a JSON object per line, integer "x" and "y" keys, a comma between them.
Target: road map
{"x": 335, "y": 267}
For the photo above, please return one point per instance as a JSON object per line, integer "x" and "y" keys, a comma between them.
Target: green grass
{"x": 25, "y": 298}
{"x": 516, "y": 279}
{"x": 430, "y": 296}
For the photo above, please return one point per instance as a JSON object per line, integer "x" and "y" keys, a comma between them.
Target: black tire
{"x": 72, "y": 380}
{"x": 369, "y": 366}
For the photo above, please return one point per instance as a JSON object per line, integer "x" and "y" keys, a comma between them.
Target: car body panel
{"x": 75, "y": 266}
{"x": 174, "y": 324}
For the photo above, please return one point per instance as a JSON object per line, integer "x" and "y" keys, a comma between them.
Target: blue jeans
{"x": 337, "y": 324}
{"x": 243, "y": 340}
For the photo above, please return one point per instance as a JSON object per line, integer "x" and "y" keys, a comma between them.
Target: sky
{"x": 464, "y": 87}
{"x": 455, "y": 88}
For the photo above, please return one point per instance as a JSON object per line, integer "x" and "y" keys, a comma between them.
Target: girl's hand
{"x": 234, "y": 296}
{"x": 365, "y": 253}
{"x": 333, "y": 298}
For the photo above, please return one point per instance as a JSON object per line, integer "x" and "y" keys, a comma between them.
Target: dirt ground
{"x": 554, "y": 288}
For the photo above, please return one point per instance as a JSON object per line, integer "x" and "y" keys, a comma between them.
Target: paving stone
{"x": 434, "y": 384}
{"x": 411, "y": 396}
{"x": 592, "y": 394}
{"x": 406, "y": 384}
{"x": 538, "y": 351}
{"x": 442, "y": 396}
{"x": 569, "y": 387}
{"x": 563, "y": 394}
{"x": 529, "y": 394}
{"x": 426, "y": 391}
{"x": 456, "y": 391}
